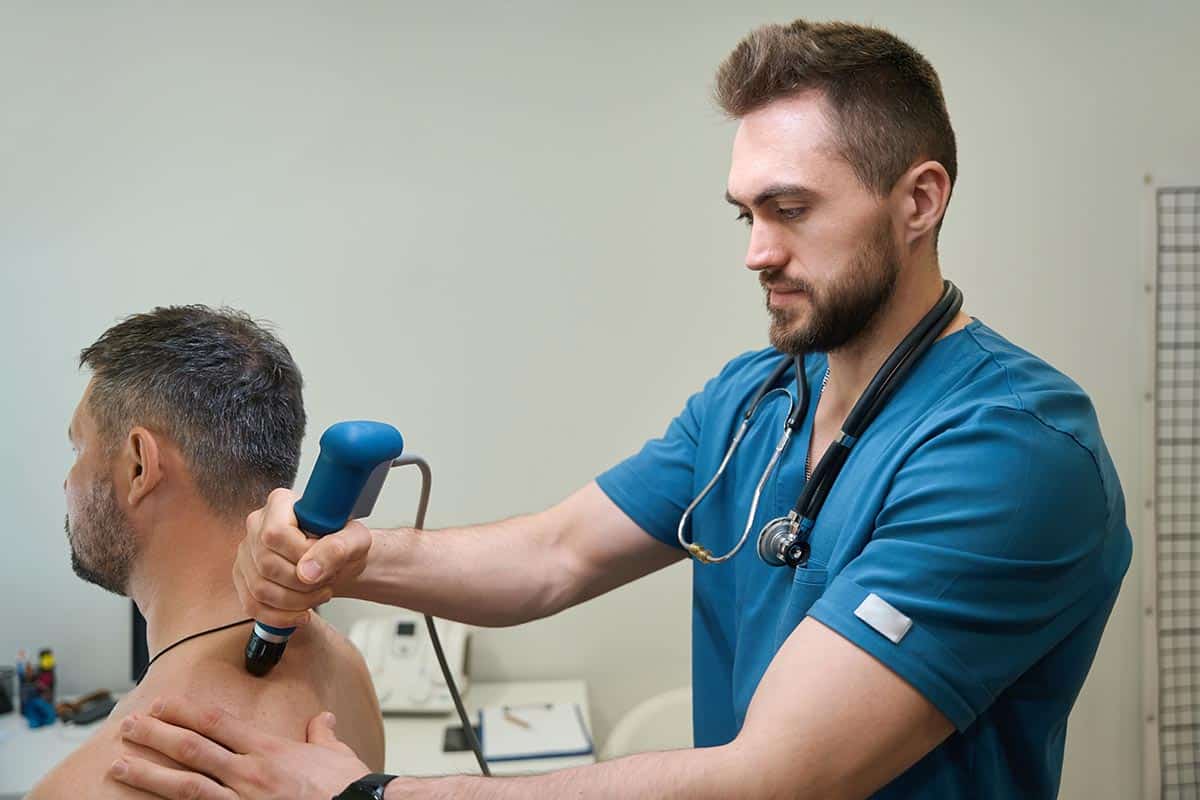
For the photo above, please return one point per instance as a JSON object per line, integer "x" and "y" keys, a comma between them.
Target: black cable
{"x": 170, "y": 647}
{"x": 801, "y": 410}
{"x": 883, "y": 385}
{"x": 838, "y": 454}
{"x": 768, "y": 385}
{"x": 948, "y": 309}
{"x": 906, "y": 354}
{"x": 419, "y": 524}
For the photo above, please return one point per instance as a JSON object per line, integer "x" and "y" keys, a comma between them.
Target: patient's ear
{"x": 143, "y": 464}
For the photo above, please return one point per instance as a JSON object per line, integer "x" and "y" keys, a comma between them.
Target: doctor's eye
{"x": 745, "y": 217}
{"x": 792, "y": 213}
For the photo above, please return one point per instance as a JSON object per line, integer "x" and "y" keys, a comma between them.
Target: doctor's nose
{"x": 766, "y": 251}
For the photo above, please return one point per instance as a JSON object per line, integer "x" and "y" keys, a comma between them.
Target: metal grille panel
{"x": 1177, "y": 488}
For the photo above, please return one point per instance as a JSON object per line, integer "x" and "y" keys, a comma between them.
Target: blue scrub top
{"x": 981, "y": 503}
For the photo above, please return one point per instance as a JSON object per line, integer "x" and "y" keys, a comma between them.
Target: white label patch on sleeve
{"x": 876, "y": 612}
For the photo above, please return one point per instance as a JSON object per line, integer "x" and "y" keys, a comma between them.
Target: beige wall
{"x": 501, "y": 228}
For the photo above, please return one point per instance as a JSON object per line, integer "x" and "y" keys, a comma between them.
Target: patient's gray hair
{"x": 214, "y": 381}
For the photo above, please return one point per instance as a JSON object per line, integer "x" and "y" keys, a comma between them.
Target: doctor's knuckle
{"x": 262, "y": 591}
{"x": 274, "y": 538}
{"x": 277, "y": 495}
{"x": 267, "y": 568}
{"x": 356, "y": 532}
{"x": 134, "y": 771}
{"x": 336, "y": 549}
{"x": 190, "y": 788}
{"x": 211, "y": 719}
{"x": 189, "y": 749}
{"x": 281, "y": 598}
{"x": 277, "y": 571}
{"x": 136, "y": 729}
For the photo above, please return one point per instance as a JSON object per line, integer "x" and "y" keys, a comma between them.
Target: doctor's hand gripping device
{"x": 345, "y": 483}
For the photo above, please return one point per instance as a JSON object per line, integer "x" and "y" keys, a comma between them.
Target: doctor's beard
{"x": 843, "y": 310}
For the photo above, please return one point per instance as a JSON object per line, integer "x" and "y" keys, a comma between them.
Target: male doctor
{"x": 959, "y": 575}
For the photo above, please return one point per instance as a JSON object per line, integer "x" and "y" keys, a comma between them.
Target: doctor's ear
{"x": 923, "y": 193}
{"x": 141, "y": 466}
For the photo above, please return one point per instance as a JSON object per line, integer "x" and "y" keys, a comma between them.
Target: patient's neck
{"x": 183, "y": 582}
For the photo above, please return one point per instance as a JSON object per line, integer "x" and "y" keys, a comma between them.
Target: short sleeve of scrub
{"x": 990, "y": 540}
{"x": 654, "y": 486}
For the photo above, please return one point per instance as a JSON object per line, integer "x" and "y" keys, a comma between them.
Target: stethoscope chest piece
{"x": 780, "y": 544}
{"x": 784, "y": 541}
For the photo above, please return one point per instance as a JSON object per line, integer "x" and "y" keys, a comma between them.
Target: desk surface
{"x": 414, "y": 744}
{"x": 26, "y": 755}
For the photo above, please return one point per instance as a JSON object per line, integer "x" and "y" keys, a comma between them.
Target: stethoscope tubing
{"x": 816, "y": 490}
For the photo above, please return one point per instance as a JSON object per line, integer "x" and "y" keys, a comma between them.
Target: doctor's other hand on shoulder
{"x": 232, "y": 760}
{"x": 280, "y": 573}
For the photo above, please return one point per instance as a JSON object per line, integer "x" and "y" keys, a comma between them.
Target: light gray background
{"x": 500, "y": 226}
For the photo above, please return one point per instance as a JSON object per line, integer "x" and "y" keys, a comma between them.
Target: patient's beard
{"x": 103, "y": 546}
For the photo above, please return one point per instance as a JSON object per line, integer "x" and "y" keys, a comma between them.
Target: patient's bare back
{"x": 320, "y": 671}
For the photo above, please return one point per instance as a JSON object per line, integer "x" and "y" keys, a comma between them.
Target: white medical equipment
{"x": 403, "y": 665}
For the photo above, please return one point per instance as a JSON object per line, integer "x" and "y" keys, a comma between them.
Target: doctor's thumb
{"x": 329, "y": 554}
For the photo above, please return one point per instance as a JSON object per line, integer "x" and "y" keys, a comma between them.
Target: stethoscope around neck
{"x": 784, "y": 541}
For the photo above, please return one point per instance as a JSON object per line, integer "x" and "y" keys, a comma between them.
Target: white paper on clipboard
{"x": 534, "y": 730}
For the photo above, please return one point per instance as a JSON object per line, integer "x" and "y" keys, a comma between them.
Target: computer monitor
{"x": 139, "y": 651}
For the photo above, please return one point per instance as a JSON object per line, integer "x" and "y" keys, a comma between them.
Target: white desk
{"x": 26, "y": 755}
{"x": 414, "y": 744}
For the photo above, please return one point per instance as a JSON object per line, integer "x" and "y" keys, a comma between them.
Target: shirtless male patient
{"x": 191, "y": 417}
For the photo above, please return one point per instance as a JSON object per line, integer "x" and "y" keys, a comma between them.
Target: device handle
{"x": 345, "y": 482}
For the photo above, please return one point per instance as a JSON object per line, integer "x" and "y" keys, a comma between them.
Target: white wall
{"x": 500, "y": 227}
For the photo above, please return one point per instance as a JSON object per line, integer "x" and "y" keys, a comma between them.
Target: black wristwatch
{"x": 369, "y": 787}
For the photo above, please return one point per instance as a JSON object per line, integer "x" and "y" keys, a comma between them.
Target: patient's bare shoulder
{"x": 83, "y": 773}
{"x": 349, "y": 692}
{"x": 320, "y": 671}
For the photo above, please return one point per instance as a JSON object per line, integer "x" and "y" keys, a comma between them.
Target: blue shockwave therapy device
{"x": 344, "y": 485}
{"x": 345, "y": 482}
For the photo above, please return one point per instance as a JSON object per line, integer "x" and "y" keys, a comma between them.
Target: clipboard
{"x": 533, "y": 730}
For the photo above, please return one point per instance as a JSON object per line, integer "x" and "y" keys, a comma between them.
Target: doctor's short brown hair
{"x": 884, "y": 98}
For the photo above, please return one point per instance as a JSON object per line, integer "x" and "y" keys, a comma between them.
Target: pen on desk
{"x": 508, "y": 715}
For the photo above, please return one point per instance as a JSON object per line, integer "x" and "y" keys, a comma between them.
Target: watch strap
{"x": 368, "y": 787}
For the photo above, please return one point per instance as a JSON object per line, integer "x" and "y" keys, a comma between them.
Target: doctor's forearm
{"x": 502, "y": 573}
{"x": 715, "y": 772}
